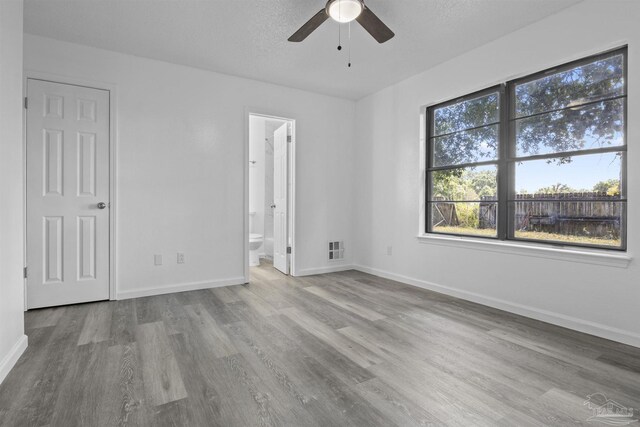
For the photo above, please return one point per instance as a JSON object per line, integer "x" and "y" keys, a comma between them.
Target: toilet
{"x": 255, "y": 243}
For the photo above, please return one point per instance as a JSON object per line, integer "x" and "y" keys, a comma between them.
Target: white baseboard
{"x": 588, "y": 327}
{"x": 323, "y": 270}
{"x": 181, "y": 287}
{"x": 10, "y": 359}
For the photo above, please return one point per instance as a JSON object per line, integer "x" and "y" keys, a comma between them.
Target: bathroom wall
{"x": 257, "y": 127}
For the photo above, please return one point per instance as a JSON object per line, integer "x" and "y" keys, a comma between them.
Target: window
{"x": 541, "y": 158}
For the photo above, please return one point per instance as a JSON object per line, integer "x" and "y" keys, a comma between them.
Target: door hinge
{"x": 26, "y": 103}
{"x": 288, "y": 138}
{"x": 26, "y": 273}
{"x": 288, "y": 249}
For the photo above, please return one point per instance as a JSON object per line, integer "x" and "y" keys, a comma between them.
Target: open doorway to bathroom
{"x": 271, "y": 211}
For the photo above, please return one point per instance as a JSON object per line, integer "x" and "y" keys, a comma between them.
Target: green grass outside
{"x": 532, "y": 235}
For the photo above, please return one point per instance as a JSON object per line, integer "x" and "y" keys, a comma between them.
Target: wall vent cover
{"x": 336, "y": 250}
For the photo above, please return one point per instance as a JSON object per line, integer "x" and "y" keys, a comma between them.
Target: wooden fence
{"x": 594, "y": 214}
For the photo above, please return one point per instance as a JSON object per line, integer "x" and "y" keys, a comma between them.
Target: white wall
{"x": 12, "y": 338}
{"x": 597, "y": 299}
{"x": 181, "y": 139}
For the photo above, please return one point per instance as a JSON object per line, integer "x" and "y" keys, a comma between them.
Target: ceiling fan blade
{"x": 310, "y": 26}
{"x": 374, "y": 26}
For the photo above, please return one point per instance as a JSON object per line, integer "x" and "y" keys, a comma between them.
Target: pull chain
{"x": 349, "y": 45}
{"x": 339, "y": 14}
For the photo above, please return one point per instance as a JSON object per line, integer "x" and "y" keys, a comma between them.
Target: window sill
{"x": 586, "y": 256}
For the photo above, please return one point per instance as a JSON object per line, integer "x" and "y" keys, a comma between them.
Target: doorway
{"x": 68, "y": 182}
{"x": 270, "y": 213}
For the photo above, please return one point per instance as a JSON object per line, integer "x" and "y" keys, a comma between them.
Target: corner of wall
{"x": 12, "y": 338}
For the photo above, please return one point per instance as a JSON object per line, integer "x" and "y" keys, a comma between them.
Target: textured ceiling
{"x": 248, "y": 38}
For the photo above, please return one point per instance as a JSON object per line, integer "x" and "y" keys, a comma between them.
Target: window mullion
{"x": 427, "y": 179}
{"x": 503, "y": 173}
{"x": 465, "y": 165}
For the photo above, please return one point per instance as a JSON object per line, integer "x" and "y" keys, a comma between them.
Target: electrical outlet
{"x": 157, "y": 259}
{"x": 389, "y": 250}
{"x": 180, "y": 258}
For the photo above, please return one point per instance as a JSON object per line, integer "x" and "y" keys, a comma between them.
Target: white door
{"x": 280, "y": 220}
{"x": 67, "y": 194}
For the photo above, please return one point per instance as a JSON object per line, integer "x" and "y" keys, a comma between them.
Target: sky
{"x": 582, "y": 173}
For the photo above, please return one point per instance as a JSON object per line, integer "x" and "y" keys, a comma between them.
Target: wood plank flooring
{"x": 341, "y": 349}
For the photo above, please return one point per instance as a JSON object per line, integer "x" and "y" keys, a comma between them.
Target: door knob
{"x": 102, "y": 205}
{"x": 273, "y": 206}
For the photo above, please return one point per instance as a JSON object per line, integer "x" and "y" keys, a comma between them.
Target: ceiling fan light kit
{"x": 344, "y": 11}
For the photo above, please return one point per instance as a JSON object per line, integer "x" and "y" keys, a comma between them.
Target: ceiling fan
{"x": 344, "y": 11}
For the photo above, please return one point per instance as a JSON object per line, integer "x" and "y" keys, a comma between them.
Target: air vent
{"x": 336, "y": 250}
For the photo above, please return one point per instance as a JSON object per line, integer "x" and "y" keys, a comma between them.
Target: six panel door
{"x": 67, "y": 194}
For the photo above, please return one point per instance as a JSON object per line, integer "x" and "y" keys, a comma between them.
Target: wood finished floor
{"x": 338, "y": 349}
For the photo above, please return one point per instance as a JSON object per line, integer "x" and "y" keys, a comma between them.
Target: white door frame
{"x": 113, "y": 144}
{"x": 248, "y": 112}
